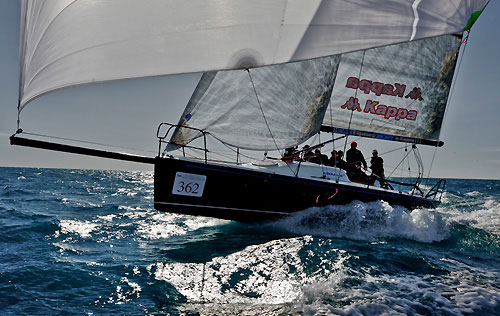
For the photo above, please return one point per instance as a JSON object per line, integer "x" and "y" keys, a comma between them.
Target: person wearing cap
{"x": 377, "y": 166}
{"x": 355, "y": 159}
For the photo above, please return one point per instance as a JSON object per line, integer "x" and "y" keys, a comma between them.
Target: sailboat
{"x": 276, "y": 73}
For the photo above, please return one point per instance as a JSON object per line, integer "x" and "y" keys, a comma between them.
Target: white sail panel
{"x": 285, "y": 108}
{"x": 71, "y": 42}
{"x": 398, "y": 90}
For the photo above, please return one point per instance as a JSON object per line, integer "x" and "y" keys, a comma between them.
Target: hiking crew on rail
{"x": 355, "y": 164}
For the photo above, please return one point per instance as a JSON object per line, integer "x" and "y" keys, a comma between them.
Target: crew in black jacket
{"x": 377, "y": 166}
{"x": 355, "y": 159}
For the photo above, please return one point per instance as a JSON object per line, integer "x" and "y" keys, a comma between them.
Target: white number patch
{"x": 189, "y": 184}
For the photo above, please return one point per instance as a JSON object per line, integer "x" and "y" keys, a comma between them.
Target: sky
{"x": 127, "y": 113}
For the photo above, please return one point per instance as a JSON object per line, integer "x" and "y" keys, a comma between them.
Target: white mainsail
{"x": 71, "y": 42}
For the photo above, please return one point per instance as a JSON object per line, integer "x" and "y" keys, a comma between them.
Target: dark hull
{"x": 247, "y": 195}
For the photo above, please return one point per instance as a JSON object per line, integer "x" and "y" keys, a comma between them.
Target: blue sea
{"x": 88, "y": 242}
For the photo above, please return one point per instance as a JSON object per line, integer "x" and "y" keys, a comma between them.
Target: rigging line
{"x": 87, "y": 142}
{"x": 331, "y": 122}
{"x": 432, "y": 162}
{"x": 402, "y": 160}
{"x": 393, "y": 150}
{"x": 408, "y": 164}
{"x": 355, "y": 97}
{"x": 322, "y": 165}
{"x": 262, "y": 110}
{"x": 453, "y": 84}
{"x": 264, "y": 116}
{"x": 391, "y": 167}
{"x": 18, "y": 116}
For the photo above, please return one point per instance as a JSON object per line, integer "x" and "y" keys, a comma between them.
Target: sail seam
{"x": 415, "y": 21}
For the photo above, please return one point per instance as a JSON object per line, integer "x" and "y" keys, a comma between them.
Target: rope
{"x": 352, "y": 111}
{"x": 432, "y": 162}
{"x": 18, "y": 115}
{"x": 262, "y": 111}
{"x": 331, "y": 121}
{"x": 402, "y": 160}
{"x": 264, "y": 116}
{"x": 355, "y": 97}
{"x": 453, "y": 84}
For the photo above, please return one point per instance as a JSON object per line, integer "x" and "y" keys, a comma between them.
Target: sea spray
{"x": 367, "y": 221}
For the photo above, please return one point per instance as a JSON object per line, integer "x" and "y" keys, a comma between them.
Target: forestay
{"x": 71, "y": 42}
{"x": 399, "y": 90}
{"x": 266, "y": 108}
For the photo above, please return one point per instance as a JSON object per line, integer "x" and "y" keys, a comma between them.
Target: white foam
{"x": 164, "y": 225}
{"x": 487, "y": 217}
{"x": 367, "y": 221}
{"x": 473, "y": 193}
{"x": 82, "y": 228}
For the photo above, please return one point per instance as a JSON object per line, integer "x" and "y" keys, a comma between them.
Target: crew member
{"x": 354, "y": 161}
{"x": 319, "y": 158}
{"x": 377, "y": 166}
{"x": 307, "y": 153}
{"x": 332, "y": 162}
{"x": 290, "y": 154}
{"x": 340, "y": 162}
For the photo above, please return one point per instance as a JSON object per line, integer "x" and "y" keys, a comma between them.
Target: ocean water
{"x": 83, "y": 242}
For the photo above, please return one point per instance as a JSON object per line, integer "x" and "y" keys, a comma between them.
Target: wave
{"x": 367, "y": 221}
{"x": 485, "y": 217}
{"x": 309, "y": 276}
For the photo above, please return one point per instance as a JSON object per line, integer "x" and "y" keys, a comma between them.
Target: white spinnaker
{"x": 71, "y": 42}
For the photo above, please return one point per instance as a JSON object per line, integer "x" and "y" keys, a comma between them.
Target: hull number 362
{"x": 189, "y": 184}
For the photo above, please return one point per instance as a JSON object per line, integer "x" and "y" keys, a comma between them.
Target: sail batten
{"x": 65, "y": 43}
